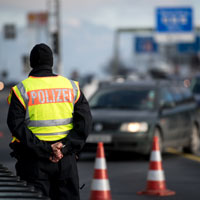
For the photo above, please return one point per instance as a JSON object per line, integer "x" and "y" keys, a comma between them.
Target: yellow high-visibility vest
{"x": 49, "y": 104}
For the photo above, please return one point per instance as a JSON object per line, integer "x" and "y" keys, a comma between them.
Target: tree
{"x": 120, "y": 70}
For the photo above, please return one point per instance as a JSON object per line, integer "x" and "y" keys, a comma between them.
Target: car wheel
{"x": 194, "y": 145}
{"x": 160, "y": 140}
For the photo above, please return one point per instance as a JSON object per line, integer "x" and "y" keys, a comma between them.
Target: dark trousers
{"x": 59, "y": 181}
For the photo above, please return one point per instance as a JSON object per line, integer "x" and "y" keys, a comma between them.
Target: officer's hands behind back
{"x": 57, "y": 154}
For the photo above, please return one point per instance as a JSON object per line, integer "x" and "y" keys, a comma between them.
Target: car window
{"x": 181, "y": 94}
{"x": 177, "y": 94}
{"x": 166, "y": 96}
{"x": 187, "y": 95}
{"x": 138, "y": 99}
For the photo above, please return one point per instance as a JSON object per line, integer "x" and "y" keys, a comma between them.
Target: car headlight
{"x": 134, "y": 127}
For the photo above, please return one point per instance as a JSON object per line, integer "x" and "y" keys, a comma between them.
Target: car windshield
{"x": 136, "y": 99}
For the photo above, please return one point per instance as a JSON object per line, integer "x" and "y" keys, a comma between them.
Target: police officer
{"x": 49, "y": 119}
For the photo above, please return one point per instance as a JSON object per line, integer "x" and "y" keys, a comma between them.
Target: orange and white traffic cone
{"x": 100, "y": 189}
{"x": 156, "y": 177}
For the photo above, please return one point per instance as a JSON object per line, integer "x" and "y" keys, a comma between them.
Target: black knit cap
{"x": 41, "y": 55}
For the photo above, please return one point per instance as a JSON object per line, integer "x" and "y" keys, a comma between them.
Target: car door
{"x": 186, "y": 107}
{"x": 168, "y": 116}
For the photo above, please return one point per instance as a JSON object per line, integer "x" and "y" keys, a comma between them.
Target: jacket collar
{"x": 42, "y": 71}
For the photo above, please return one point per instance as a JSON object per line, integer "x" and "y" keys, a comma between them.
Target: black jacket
{"x": 29, "y": 143}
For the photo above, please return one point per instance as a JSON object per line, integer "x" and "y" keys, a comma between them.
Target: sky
{"x": 87, "y": 29}
{"x": 110, "y": 13}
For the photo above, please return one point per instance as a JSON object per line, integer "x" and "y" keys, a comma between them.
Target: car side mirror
{"x": 167, "y": 104}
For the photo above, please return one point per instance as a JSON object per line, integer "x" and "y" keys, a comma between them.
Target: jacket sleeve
{"x": 18, "y": 128}
{"x": 82, "y": 121}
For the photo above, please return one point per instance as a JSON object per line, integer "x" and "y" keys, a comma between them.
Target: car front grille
{"x": 99, "y": 127}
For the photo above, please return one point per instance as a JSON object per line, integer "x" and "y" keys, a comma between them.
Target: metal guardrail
{"x": 12, "y": 188}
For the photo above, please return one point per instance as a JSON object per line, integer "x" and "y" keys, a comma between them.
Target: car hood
{"x": 104, "y": 115}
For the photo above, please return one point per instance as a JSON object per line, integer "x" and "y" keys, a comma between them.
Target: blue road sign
{"x": 193, "y": 47}
{"x": 174, "y": 20}
{"x": 145, "y": 45}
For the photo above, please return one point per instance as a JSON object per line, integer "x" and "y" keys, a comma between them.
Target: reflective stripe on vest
{"x": 58, "y": 133}
{"x": 75, "y": 90}
{"x": 41, "y": 123}
{"x": 42, "y": 99}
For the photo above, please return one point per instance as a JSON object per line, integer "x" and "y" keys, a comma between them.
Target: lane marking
{"x": 185, "y": 155}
